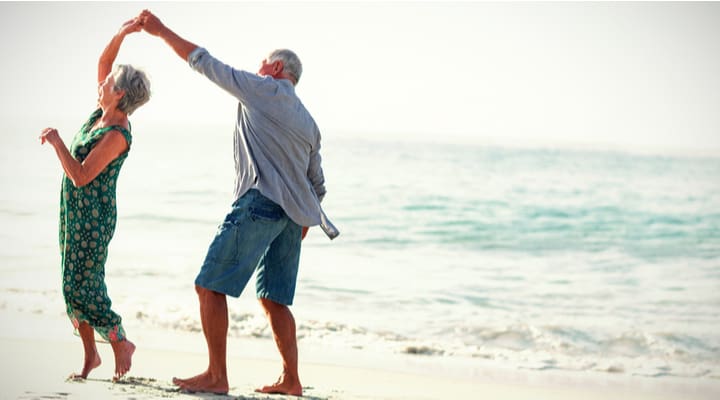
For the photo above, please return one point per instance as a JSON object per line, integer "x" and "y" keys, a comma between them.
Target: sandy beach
{"x": 39, "y": 352}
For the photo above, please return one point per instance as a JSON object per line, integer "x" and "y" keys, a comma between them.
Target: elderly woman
{"x": 87, "y": 205}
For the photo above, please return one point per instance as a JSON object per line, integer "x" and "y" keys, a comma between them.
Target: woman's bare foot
{"x": 123, "y": 350}
{"x": 91, "y": 362}
{"x": 204, "y": 382}
{"x": 284, "y": 385}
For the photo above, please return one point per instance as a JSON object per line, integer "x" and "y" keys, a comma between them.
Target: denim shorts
{"x": 256, "y": 235}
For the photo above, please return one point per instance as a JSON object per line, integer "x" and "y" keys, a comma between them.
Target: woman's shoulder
{"x": 123, "y": 130}
{"x": 121, "y": 126}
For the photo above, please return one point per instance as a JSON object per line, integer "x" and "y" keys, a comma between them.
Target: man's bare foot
{"x": 123, "y": 350}
{"x": 90, "y": 364}
{"x": 204, "y": 382}
{"x": 284, "y": 385}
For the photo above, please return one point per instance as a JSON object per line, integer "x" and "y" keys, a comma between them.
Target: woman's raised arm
{"x": 107, "y": 58}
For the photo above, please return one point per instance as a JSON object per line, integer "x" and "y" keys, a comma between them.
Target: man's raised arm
{"x": 152, "y": 25}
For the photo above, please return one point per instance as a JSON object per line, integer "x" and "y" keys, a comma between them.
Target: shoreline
{"x": 40, "y": 352}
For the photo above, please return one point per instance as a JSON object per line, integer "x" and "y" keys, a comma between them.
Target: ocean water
{"x": 547, "y": 259}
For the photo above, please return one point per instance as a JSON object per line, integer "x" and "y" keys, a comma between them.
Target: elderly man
{"x": 278, "y": 190}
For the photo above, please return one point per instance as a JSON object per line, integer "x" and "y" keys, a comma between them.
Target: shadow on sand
{"x": 150, "y": 388}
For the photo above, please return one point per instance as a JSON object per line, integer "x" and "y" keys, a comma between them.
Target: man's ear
{"x": 277, "y": 67}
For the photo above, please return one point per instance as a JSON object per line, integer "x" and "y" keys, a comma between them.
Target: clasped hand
{"x": 49, "y": 135}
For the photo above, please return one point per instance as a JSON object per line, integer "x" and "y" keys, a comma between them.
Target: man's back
{"x": 277, "y": 143}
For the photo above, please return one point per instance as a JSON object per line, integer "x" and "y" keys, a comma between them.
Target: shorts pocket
{"x": 224, "y": 247}
{"x": 267, "y": 213}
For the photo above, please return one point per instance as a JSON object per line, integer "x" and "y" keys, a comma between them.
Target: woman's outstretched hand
{"x": 130, "y": 26}
{"x": 49, "y": 135}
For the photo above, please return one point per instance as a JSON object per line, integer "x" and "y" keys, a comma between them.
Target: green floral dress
{"x": 87, "y": 223}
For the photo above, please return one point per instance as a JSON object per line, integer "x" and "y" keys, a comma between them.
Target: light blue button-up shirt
{"x": 277, "y": 143}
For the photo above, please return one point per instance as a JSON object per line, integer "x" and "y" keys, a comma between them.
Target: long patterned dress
{"x": 87, "y": 223}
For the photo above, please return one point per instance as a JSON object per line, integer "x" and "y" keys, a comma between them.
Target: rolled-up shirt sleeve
{"x": 195, "y": 55}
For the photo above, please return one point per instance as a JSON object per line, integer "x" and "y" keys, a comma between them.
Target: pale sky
{"x": 630, "y": 75}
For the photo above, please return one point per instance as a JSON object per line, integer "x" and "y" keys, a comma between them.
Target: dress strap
{"x": 125, "y": 132}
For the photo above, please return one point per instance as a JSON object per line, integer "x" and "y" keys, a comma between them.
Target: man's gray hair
{"x": 291, "y": 62}
{"x": 136, "y": 86}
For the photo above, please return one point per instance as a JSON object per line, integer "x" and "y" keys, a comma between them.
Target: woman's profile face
{"x": 106, "y": 91}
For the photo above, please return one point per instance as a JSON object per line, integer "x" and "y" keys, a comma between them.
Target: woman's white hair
{"x": 136, "y": 86}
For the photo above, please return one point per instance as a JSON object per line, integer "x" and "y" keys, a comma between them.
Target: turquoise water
{"x": 554, "y": 259}
{"x": 548, "y": 259}
{"x": 539, "y": 201}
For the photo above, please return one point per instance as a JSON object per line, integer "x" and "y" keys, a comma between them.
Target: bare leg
{"x": 92, "y": 358}
{"x": 282, "y": 324}
{"x": 123, "y": 350}
{"x": 214, "y": 318}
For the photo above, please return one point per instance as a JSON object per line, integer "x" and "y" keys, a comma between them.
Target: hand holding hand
{"x": 49, "y": 135}
{"x": 150, "y": 23}
{"x": 130, "y": 26}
